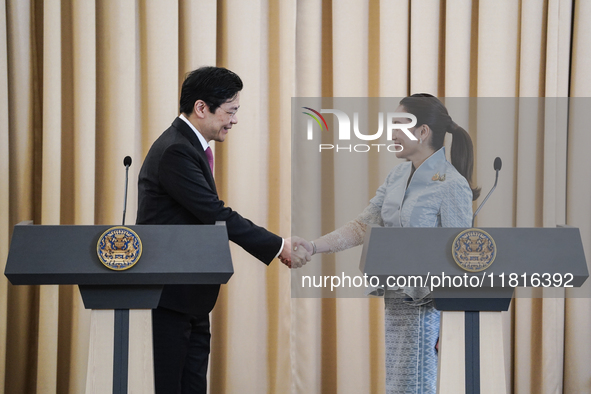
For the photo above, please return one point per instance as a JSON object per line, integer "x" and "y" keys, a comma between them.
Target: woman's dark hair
{"x": 213, "y": 85}
{"x": 430, "y": 111}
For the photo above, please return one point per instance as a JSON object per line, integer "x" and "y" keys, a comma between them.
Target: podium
{"x": 67, "y": 255}
{"x": 525, "y": 257}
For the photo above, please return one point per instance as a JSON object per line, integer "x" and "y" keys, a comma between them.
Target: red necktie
{"x": 209, "y": 155}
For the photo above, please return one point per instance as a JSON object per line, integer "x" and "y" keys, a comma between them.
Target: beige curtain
{"x": 85, "y": 83}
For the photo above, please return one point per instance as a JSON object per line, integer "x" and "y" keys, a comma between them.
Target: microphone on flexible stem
{"x": 497, "y": 166}
{"x": 126, "y": 163}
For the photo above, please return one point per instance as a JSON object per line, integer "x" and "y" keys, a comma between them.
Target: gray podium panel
{"x": 524, "y": 255}
{"x": 173, "y": 254}
{"x": 522, "y": 251}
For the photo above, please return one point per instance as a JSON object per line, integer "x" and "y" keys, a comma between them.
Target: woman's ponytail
{"x": 462, "y": 155}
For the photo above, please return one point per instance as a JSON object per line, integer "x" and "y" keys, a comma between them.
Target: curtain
{"x": 85, "y": 83}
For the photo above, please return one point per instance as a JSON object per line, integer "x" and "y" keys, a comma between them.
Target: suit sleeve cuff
{"x": 281, "y": 248}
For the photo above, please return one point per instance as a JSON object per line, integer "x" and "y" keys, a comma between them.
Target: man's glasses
{"x": 231, "y": 113}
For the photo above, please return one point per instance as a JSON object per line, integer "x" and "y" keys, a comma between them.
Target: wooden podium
{"x": 471, "y": 302}
{"x": 172, "y": 254}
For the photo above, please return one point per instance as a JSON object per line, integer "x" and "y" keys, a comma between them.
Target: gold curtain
{"x": 85, "y": 83}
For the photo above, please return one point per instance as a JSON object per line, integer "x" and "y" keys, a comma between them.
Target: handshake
{"x": 296, "y": 252}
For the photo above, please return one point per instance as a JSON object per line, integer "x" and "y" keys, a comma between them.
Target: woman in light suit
{"x": 425, "y": 191}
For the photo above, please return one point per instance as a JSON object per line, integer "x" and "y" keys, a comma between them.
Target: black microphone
{"x": 126, "y": 163}
{"x": 497, "y": 167}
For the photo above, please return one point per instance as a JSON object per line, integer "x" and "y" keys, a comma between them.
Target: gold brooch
{"x": 438, "y": 177}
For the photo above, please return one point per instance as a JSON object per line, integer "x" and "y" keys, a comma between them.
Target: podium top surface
{"x": 172, "y": 254}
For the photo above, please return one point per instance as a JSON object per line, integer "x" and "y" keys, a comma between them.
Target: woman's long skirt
{"x": 411, "y": 336}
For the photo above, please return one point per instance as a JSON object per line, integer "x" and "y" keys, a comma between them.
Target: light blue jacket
{"x": 437, "y": 195}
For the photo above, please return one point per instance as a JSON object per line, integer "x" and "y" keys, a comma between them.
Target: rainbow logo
{"x": 316, "y": 119}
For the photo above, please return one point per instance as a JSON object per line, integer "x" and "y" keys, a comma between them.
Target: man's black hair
{"x": 213, "y": 85}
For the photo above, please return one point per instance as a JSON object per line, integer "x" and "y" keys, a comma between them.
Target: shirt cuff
{"x": 281, "y": 248}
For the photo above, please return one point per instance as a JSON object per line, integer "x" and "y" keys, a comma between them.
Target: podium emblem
{"x": 474, "y": 250}
{"x": 119, "y": 248}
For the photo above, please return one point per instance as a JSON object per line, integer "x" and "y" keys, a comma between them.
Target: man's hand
{"x": 296, "y": 252}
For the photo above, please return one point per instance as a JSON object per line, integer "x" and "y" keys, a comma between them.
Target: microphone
{"x": 497, "y": 164}
{"x": 126, "y": 163}
{"x": 497, "y": 167}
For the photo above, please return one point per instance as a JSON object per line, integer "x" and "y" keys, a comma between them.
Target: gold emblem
{"x": 119, "y": 248}
{"x": 474, "y": 250}
{"x": 438, "y": 177}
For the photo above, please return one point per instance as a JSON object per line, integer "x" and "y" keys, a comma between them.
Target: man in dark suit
{"x": 176, "y": 186}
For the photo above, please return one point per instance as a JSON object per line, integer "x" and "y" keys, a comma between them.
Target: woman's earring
{"x": 420, "y": 141}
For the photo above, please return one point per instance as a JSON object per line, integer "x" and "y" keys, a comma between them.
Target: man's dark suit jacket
{"x": 176, "y": 186}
